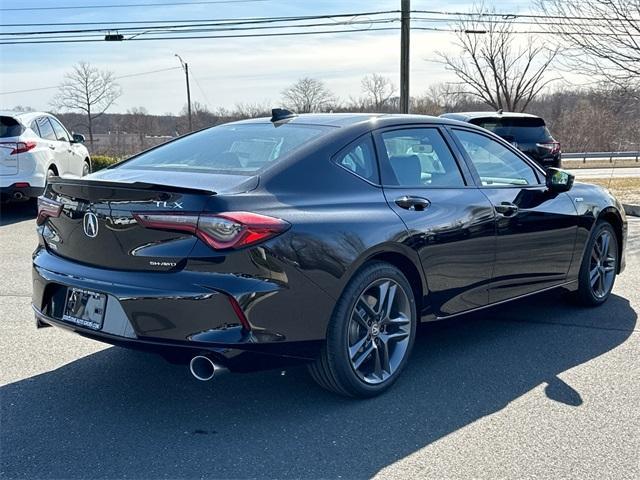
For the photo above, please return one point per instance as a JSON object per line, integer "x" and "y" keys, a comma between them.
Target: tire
{"x": 86, "y": 168}
{"x": 598, "y": 269}
{"x": 50, "y": 173}
{"x": 352, "y": 361}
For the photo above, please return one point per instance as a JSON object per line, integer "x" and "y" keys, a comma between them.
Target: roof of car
{"x": 348, "y": 119}
{"x": 466, "y": 116}
{"x": 22, "y": 116}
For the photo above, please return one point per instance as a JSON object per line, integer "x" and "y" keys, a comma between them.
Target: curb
{"x": 633, "y": 210}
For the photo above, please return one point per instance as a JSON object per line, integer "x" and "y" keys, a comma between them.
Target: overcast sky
{"x": 224, "y": 71}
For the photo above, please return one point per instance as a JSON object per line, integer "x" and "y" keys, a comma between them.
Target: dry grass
{"x": 627, "y": 190}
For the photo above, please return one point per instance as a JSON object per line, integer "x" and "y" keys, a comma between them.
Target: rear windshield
{"x": 9, "y": 127}
{"x": 521, "y": 130}
{"x": 237, "y": 149}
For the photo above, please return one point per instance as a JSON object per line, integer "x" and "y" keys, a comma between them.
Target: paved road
{"x": 627, "y": 172}
{"x": 537, "y": 389}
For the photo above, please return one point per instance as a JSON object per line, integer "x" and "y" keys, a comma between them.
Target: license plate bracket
{"x": 85, "y": 308}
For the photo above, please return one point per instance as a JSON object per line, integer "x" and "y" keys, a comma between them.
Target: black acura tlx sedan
{"x": 315, "y": 238}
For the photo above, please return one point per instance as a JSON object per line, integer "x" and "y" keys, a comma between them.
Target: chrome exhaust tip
{"x": 18, "y": 195}
{"x": 204, "y": 369}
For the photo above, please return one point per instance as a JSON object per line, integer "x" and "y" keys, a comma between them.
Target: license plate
{"x": 85, "y": 308}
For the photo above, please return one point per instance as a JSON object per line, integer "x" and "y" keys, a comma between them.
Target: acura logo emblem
{"x": 90, "y": 224}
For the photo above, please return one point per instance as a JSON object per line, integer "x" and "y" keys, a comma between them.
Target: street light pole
{"x": 185, "y": 67}
{"x": 405, "y": 29}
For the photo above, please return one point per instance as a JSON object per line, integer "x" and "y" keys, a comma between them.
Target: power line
{"x": 507, "y": 16}
{"x": 197, "y": 37}
{"x": 191, "y": 27}
{"x": 204, "y": 95}
{"x": 521, "y": 32}
{"x": 499, "y": 22}
{"x": 127, "y": 5}
{"x": 115, "y": 78}
{"x": 231, "y": 20}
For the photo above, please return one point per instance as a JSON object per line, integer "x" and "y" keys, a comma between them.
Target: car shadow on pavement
{"x": 119, "y": 413}
{"x": 11, "y": 213}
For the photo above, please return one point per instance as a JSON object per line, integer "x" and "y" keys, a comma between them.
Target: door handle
{"x": 417, "y": 204}
{"x": 506, "y": 209}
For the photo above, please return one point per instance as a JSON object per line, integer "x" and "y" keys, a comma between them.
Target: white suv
{"x": 33, "y": 147}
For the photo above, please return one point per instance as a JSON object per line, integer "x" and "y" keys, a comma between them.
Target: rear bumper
{"x": 174, "y": 314}
{"x": 549, "y": 162}
{"x": 16, "y": 191}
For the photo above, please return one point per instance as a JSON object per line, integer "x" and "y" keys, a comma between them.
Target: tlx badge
{"x": 169, "y": 204}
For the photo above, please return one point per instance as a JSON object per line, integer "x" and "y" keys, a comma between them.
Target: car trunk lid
{"x": 8, "y": 156}
{"x": 96, "y": 225}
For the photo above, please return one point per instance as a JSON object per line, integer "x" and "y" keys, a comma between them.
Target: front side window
{"x": 419, "y": 157}
{"x": 496, "y": 164}
{"x": 360, "y": 158}
{"x": 243, "y": 149}
{"x": 46, "y": 130}
{"x": 60, "y": 131}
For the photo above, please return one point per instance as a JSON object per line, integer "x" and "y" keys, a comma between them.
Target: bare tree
{"x": 139, "y": 121}
{"x": 23, "y": 108}
{"x": 307, "y": 95}
{"x": 252, "y": 110}
{"x": 607, "y": 47}
{"x": 379, "y": 90}
{"x": 88, "y": 90}
{"x": 201, "y": 117}
{"x": 495, "y": 67}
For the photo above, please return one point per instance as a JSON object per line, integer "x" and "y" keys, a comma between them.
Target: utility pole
{"x": 405, "y": 29}
{"x": 185, "y": 67}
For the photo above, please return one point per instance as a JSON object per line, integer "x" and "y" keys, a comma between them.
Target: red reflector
{"x": 21, "y": 185}
{"x": 19, "y": 147}
{"x": 223, "y": 231}
{"x": 47, "y": 208}
{"x": 239, "y": 313}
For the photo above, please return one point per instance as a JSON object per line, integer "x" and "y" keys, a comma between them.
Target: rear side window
{"x": 419, "y": 157}
{"x": 46, "y": 130}
{"x": 516, "y": 130}
{"x": 360, "y": 158}
{"x": 34, "y": 127}
{"x": 235, "y": 148}
{"x": 10, "y": 127}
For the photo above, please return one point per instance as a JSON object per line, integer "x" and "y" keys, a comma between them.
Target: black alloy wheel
{"x": 370, "y": 335}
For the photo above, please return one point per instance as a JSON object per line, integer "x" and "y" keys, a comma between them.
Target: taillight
{"x": 18, "y": 147}
{"x": 221, "y": 231}
{"x": 553, "y": 147}
{"x": 47, "y": 208}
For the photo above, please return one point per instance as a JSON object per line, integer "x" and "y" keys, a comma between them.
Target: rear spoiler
{"x": 84, "y": 182}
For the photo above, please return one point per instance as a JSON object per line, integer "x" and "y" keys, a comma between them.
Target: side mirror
{"x": 559, "y": 180}
{"x": 78, "y": 138}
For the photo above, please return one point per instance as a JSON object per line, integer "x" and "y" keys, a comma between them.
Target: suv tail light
{"x": 221, "y": 231}
{"x": 47, "y": 208}
{"x": 18, "y": 147}
{"x": 553, "y": 147}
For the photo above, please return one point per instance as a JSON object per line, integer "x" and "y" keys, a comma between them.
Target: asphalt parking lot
{"x": 539, "y": 388}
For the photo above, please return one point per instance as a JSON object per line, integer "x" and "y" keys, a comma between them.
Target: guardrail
{"x": 610, "y": 156}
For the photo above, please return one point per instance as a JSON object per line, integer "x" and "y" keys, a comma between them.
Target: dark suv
{"x": 526, "y": 132}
